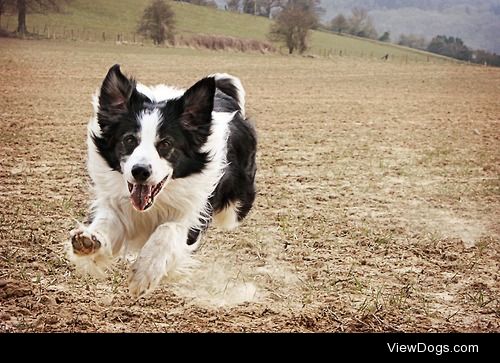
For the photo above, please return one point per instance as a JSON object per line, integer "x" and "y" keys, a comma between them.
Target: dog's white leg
{"x": 92, "y": 247}
{"x": 165, "y": 251}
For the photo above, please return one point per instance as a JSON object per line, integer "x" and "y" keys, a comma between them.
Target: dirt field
{"x": 378, "y": 205}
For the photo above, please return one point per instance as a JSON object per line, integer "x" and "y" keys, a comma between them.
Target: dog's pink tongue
{"x": 140, "y": 196}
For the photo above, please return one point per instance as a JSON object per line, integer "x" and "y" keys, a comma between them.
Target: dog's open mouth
{"x": 142, "y": 196}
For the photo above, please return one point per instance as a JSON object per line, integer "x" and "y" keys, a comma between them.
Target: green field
{"x": 87, "y": 20}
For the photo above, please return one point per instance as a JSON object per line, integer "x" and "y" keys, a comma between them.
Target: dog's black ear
{"x": 198, "y": 103}
{"x": 116, "y": 91}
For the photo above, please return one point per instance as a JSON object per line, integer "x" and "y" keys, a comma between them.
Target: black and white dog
{"x": 164, "y": 163}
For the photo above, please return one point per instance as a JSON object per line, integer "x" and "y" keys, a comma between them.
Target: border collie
{"x": 164, "y": 163}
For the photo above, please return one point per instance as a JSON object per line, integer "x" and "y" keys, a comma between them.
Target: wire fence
{"x": 49, "y": 31}
{"x": 342, "y": 52}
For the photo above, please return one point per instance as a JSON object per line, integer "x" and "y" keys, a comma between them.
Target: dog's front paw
{"x": 145, "y": 276}
{"x": 84, "y": 243}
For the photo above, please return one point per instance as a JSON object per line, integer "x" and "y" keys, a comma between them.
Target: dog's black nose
{"x": 141, "y": 172}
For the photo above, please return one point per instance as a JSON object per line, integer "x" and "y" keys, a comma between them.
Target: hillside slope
{"x": 89, "y": 19}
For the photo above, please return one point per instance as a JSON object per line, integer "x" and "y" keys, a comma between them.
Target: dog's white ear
{"x": 198, "y": 103}
{"x": 116, "y": 91}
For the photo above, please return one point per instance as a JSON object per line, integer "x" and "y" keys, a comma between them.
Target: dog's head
{"x": 151, "y": 142}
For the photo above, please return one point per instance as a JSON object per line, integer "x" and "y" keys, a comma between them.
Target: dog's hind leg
{"x": 165, "y": 251}
{"x": 92, "y": 247}
{"x": 227, "y": 218}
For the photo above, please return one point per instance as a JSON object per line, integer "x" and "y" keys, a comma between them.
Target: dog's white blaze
{"x": 145, "y": 153}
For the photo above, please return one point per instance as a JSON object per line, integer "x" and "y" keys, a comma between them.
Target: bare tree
{"x": 250, "y": 6}
{"x": 233, "y": 5}
{"x": 486, "y": 58}
{"x": 157, "y": 22}
{"x": 2, "y": 10}
{"x": 209, "y": 3}
{"x": 412, "y": 41}
{"x": 450, "y": 47}
{"x": 339, "y": 24}
{"x": 267, "y": 8}
{"x": 386, "y": 37}
{"x": 293, "y": 24}
{"x": 361, "y": 24}
{"x": 24, "y": 7}
{"x": 21, "y": 16}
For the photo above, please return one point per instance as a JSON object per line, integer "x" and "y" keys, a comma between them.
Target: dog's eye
{"x": 164, "y": 145}
{"x": 130, "y": 141}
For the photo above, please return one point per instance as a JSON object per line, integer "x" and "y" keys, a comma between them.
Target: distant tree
{"x": 339, "y": 24}
{"x": 276, "y": 8}
{"x": 209, "y": 3}
{"x": 2, "y": 10}
{"x": 450, "y": 47}
{"x": 361, "y": 24}
{"x": 233, "y": 5}
{"x": 250, "y": 7}
{"x": 265, "y": 7}
{"x": 486, "y": 58}
{"x": 293, "y": 24}
{"x": 357, "y": 19}
{"x": 157, "y": 22}
{"x": 386, "y": 37}
{"x": 24, "y": 7}
{"x": 412, "y": 41}
{"x": 259, "y": 7}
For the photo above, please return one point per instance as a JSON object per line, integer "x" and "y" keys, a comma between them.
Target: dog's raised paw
{"x": 84, "y": 243}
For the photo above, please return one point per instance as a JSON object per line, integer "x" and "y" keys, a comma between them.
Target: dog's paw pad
{"x": 84, "y": 243}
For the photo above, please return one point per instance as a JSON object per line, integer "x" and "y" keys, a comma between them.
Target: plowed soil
{"x": 378, "y": 201}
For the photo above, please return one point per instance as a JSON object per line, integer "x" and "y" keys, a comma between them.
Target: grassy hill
{"x": 89, "y": 19}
